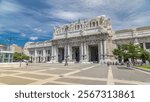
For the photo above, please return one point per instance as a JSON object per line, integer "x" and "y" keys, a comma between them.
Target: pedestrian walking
{"x": 26, "y": 64}
{"x": 108, "y": 64}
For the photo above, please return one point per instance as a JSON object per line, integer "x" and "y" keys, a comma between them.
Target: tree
{"x": 133, "y": 52}
{"x": 128, "y": 51}
{"x": 118, "y": 53}
{"x": 18, "y": 57}
{"x": 145, "y": 55}
{"x": 25, "y": 57}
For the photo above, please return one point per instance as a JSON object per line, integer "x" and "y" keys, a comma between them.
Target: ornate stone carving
{"x": 100, "y": 21}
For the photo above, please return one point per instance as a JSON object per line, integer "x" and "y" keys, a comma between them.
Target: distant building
{"x": 139, "y": 36}
{"x": 84, "y": 41}
{"x": 16, "y": 48}
{"x": 5, "y": 54}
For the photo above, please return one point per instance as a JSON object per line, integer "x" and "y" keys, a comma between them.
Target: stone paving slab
{"x": 7, "y": 72}
{"x": 15, "y": 80}
{"x": 94, "y": 72}
{"x": 34, "y": 76}
{"x": 26, "y": 69}
{"x": 116, "y": 83}
{"x": 81, "y": 81}
{"x": 56, "y": 71}
{"x": 51, "y": 83}
{"x": 58, "y": 74}
{"x": 70, "y": 66}
{"x": 128, "y": 74}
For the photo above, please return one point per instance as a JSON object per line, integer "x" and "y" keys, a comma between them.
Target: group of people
{"x": 112, "y": 63}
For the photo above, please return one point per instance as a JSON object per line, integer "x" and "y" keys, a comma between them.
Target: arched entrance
{"x": 60, "y": 55}
{"x": 76, "y": 53}
{"x": 93, "y": 53}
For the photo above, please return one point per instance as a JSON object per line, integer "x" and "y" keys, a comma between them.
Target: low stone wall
{"x": 12, "y": 65}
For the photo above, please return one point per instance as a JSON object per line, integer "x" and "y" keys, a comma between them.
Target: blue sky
{"x": 33, "y": 20}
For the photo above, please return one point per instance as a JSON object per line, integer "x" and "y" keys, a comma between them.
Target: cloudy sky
{"x": 33, "y": 20}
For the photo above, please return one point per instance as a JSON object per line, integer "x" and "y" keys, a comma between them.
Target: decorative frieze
{"x": 100, "y": 24}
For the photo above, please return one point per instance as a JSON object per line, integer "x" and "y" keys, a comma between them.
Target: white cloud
{"x": 40, "y": 22}
{"x": 38, "y": 29}
{"x": 123, "y": 13}
{"x": 93, "y": 3}
{"x": 23, "y": 35}
{"x": 8, "y": 7}
{"x": 66, "y": 15}
{"x": 33, "y": 38}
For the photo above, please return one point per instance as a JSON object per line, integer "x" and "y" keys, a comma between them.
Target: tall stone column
{"x": 55, "y": 51}
{"x": 144, "y": 46}
{"x": 35, "y": 57}
{"x": 3, "y": 57}
{"x": 86, "y": 53}
{"x": 70, "y": 52}
{"x": 53, "y": 55}
{"x": 100, "y": 51}
{"x": 9, "y": 57}
{"x": 102, "y": 48}
{"x": 105, "y": 49}
{"x": 81, "y": 51}
{"x": 44, "y": 54}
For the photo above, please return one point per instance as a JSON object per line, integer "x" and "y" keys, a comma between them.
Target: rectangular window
{"x": 141, "y": 45}
{"x": 48, "y": 51}
{"x": 147, "y": 45}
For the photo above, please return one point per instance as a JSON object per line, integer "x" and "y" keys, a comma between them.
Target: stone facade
{"x": 39, "y": 51}
{"x": 6, "y": 55}
{"x": 84, "y": 41}
{"x": 139, "y": 35}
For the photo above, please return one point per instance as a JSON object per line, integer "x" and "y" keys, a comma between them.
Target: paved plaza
{"x": 74, "y": 74}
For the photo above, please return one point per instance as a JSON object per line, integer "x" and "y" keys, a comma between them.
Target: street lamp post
{"x": 66, "y": 47}
{"x": 21, "y": 55}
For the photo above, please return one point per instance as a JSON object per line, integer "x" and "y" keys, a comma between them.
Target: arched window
{"x": 90, "y": 24}
{"x": 93, "y": 24}
{"x": 81, "y": 26}
{"x": 78, "y": 27}
{"x": 96, "y": 23}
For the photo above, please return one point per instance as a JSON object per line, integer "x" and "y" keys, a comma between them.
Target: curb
{"x": 141, "y": 69}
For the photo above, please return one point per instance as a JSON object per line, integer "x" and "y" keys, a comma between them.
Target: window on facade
{"x": 81, "y": 26}
{"x": 78, "y": 27}
{"x": 147, "y": 45}
{"x": 39, "y": 52}
{"x": 90, "y": 24}
{"x": 93, "y": 24}
{"x": 42, "y": 53}
{"x": 48, "y": 51}
{"x": 97, "y": 23}
{"x": 6, "y": 55}
{"x": 141, "y": 45}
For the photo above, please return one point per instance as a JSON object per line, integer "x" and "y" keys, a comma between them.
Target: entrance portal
{"x": 76, "y": 54}
{"x": 60, "y": 55}
{"x": 93, "y": 53}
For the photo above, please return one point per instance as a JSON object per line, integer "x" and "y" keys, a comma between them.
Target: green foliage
{"x": 131, "y": 51}
{"x": 145, "y": 67}
{"x": 145, "y": 55}
{"x": 118, "y": 53}
{"x": 19, "y": 57}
